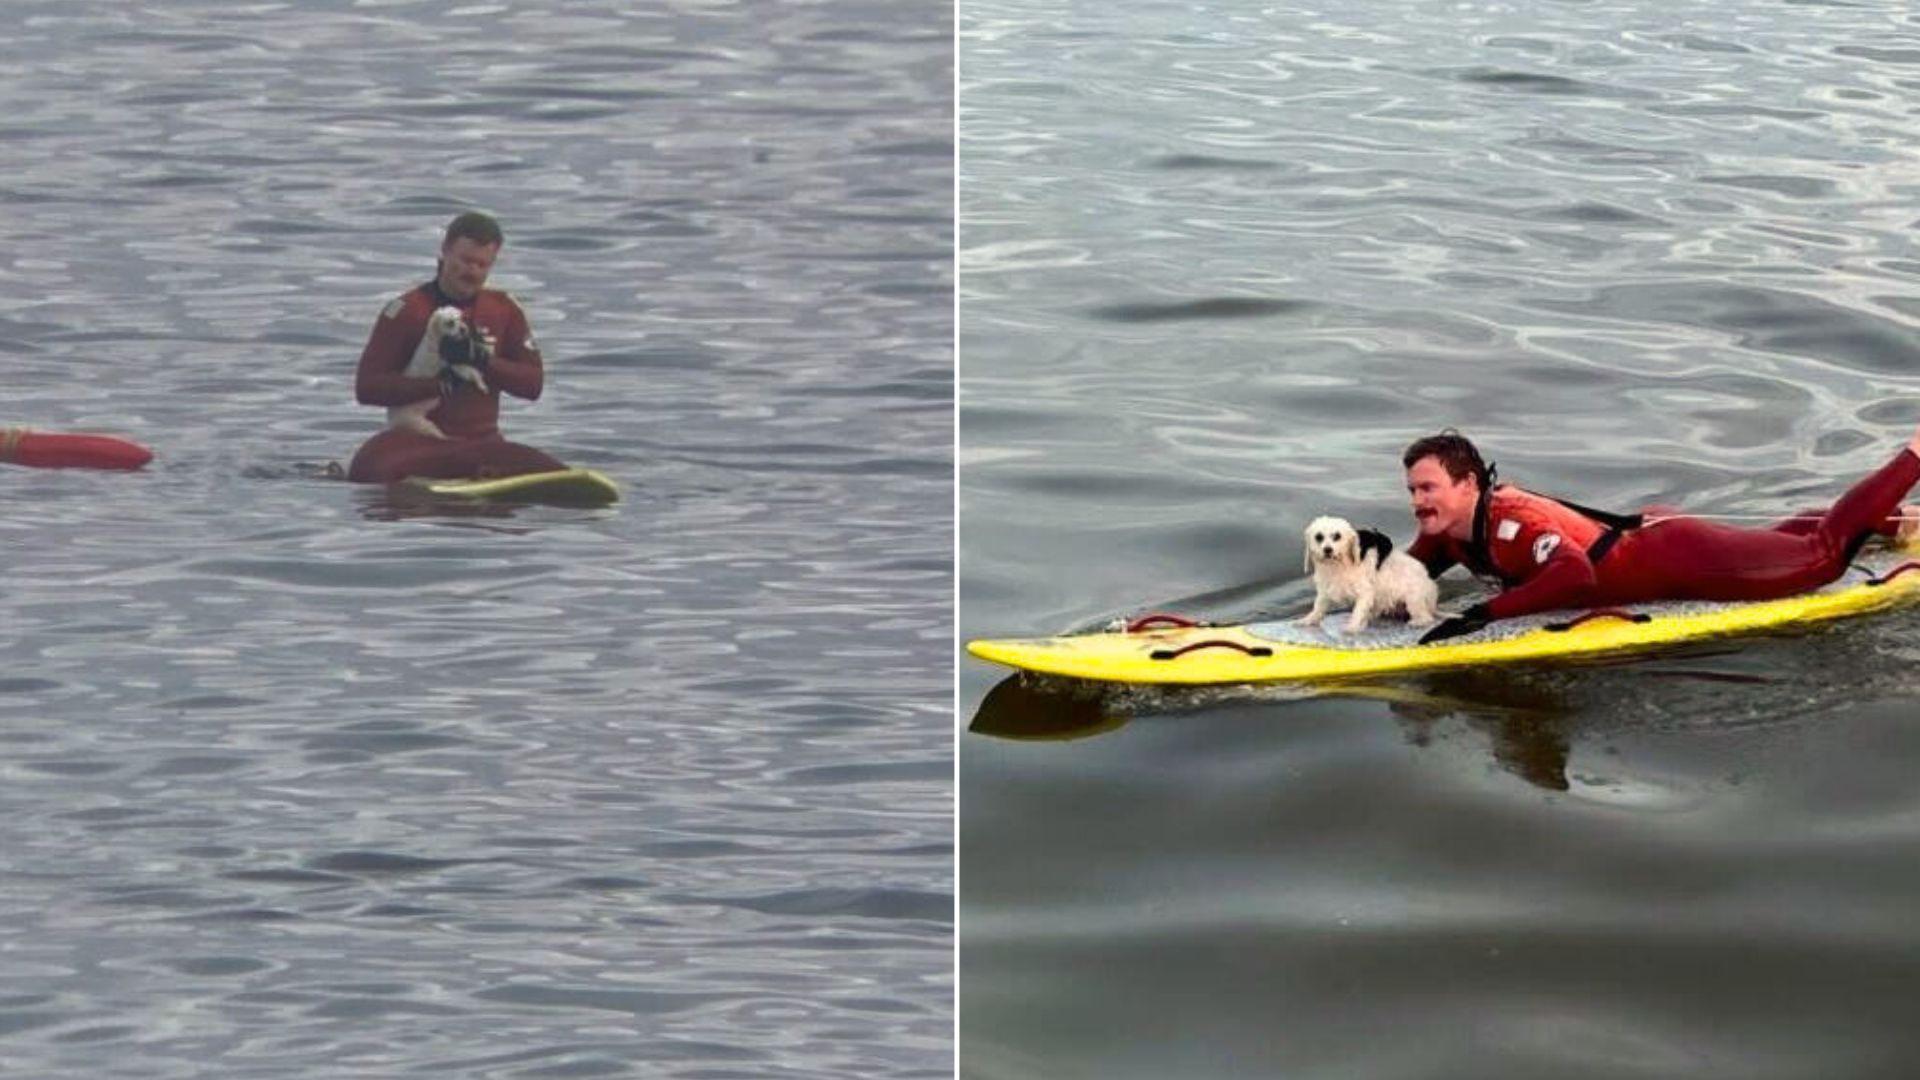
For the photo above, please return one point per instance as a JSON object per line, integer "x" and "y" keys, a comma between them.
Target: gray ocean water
{"x": 302, "y": 780}
{"x": 1218, "y": 265}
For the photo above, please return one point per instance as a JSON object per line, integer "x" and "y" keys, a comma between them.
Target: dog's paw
{"x": 471, "y": 350}
{"x": 458, "y": 375}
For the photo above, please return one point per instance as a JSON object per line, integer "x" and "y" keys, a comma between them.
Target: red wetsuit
{"x": 1539, "y": 549}
{"x": 474, "y": 446}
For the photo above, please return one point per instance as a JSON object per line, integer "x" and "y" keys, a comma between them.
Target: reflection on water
{"x": 1523, "y": 722}
{"x": 1035, "y": 707}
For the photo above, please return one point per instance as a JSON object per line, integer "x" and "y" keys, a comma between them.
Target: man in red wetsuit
{"x": 1549, "y": 554}
{"x": 470, "y": 417}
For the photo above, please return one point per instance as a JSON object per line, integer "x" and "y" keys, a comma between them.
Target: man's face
{"x": 1441, "y": 504}
{"x": 464, "y": 266}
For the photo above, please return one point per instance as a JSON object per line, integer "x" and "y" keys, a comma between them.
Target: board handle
{"x": 1160, "y": 619}
{"x": 1216, "y": 643}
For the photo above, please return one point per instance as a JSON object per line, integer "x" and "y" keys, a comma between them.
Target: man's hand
{"x": 1453, "y": 626}
{"x": 475, "y": 350}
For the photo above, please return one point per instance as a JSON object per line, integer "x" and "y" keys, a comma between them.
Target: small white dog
{"x": 447, "y": 331}
{"x": 1360, "y": 567}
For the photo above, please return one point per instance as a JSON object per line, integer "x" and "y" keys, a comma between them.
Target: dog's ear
{"x": 1378, "y": 543}
{"x": 1306, "y": 555}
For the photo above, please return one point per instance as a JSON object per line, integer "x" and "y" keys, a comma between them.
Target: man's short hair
{"x": 1454, "y": 452}
{"x": 473, "y": 225}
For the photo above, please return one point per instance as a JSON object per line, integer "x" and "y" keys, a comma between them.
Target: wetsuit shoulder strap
{"x": 1473, "y": 553}
{"x": 1615, "y": 524}
{"x": 1481, "y": 560}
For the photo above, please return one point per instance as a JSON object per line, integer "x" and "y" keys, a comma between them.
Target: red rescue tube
{"x": 70, "y": 450}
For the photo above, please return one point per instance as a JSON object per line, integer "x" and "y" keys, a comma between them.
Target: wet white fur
{"x": 446, "y": 322}
{"x": 1397, "y": 586}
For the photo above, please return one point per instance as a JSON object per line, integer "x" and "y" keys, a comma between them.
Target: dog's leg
{"x": 414, "y": 418}
{"x": 1319, "y": 612}
{"x": 421, "y": 425}
{"x": 1362, "y": 608}
{"x": 1422, "y": 611}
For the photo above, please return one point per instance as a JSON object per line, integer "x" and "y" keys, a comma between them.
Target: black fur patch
{"x": 1376, "y": 542}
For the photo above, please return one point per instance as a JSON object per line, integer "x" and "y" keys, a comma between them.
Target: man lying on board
{"x": 1548, "y": 553}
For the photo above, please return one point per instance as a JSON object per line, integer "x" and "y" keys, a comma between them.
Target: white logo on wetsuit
{"x": 1544, "y": 546}
{"x": 1507, "y": 529}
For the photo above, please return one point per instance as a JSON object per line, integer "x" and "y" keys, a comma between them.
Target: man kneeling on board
{"x": 1548, "y": 553}
{"x": 468, "y": 443}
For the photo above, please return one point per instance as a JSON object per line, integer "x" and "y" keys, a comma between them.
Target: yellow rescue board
{"x": 562, "y": 487}
{"x": 1259, "y": 652}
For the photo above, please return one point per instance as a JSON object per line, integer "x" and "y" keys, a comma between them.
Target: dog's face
{"x": 448, "y": 328}
{"x": 446, "y": 322}
{"x": 1329, "y": 540}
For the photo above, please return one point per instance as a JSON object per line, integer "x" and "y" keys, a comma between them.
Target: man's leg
{"x": 1867, "y": 506}
{"x": 394, "y": 455}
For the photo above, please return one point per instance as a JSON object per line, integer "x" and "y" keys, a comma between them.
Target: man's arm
{"x": 1432, "y": 554}
{"x": 516, "y": 367}
{"x": 1564, "y": 579}
{"x": 378, "y": 379}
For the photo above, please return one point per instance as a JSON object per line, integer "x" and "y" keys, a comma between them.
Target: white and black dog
{"x": 448, "y": 335}
{"x": 1360, "y": 567}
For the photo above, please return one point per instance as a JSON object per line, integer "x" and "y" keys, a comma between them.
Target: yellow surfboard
{"x": 1283, "y": 650}
{"x": 561, "y": 487}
